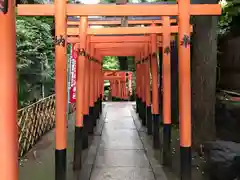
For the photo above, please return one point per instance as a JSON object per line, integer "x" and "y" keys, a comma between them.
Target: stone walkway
{"x": 120, "y": 150}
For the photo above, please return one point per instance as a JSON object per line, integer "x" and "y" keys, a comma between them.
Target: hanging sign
{"x": 73, "y": 88}
{"x": 130, "y": 83}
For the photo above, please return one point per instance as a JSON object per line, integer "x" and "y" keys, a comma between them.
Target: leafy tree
{"x": 35, "y": 60}
{"x": 229, "y": 22}
{"x": 110, "y": 63}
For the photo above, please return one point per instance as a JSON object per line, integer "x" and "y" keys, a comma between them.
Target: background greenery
{"x": 35, "y": 59}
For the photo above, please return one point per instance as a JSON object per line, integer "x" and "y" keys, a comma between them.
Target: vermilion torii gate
{"x": 60, "y": 9}
{"x": 118, "y": 83}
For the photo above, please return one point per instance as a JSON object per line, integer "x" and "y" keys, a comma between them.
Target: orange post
{"x": 184, "y": 88}
{"x": 166, "y": 75}
{"x": 125, "y": 86}
{"x": 148, "y": 93}
{"x": 8, "y": 95}
{"x": 80, "y": 133}
{"x": 130, "y": 83}
{"x": 61, "y": 89}
{"x": 92, "y": 88}
{"x": 119, "y": 89}
{"x": 89, "y": 84}
{"x": 99, "y": 87}
{"x": 111, "y": 90}
{"x": 95, "y": 69}
{"x": 87, "y": 125}
{"x": 143, "y": 76}
{"x": 115, "y": 89}
{"x": 140, "y": 87}
{"x": 137, "y": 85}
{"x": 155, "y": 97}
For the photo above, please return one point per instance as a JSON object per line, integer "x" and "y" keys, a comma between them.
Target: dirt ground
{"x": 228, "y": 123}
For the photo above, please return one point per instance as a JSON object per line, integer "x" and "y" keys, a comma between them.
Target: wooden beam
{"x": 113, "y": 78}
{"x": 132, "y": 22}
{"x": 119, "y": 45}
{"x": 109, "y": 73}
{"x": 117, "y": 39}
{"x": 113, "y": 10}
{"x": 110, "y": 39}
{"x": 123, "y": 30}
{"x": 118, "y": 53}
{"x": 119, "y": 50}
{"x": 122, "y": 50}
{"x": 122, "y": 45}
{"x": 114, "y": 71}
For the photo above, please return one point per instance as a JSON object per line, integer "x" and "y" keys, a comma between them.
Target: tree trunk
{"x": 204, "y": 63}
{"x": 123, "y": 61}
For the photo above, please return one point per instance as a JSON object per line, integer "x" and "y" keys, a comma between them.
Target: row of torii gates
{"x": 118, "y": 83}
{"x": 93, "y": 45}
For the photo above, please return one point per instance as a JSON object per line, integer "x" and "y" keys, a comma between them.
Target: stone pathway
{"x": 120, "y": 150}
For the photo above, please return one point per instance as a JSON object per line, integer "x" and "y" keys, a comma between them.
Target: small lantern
{"x": 4, "y": 6}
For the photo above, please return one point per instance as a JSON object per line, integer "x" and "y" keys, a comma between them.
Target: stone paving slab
{"x": 115, "y": 124}
{"x": 122, "y": 173}
{"x": 120, "y": 139}
{"x": 121, "y": 158}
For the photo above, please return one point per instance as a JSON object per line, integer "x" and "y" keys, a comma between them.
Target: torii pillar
{"x": 8, "y": 93}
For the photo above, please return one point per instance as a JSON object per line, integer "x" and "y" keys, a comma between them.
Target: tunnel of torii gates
{"x": 90, "y": 56}
{"x": 118, "y": 83}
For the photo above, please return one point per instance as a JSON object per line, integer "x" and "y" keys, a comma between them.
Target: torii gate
{"x": 115, "y": 76}
{"x": 60, "y": 10}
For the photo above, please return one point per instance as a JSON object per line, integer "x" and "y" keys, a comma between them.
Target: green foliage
{"x": 110, "y": 63}
{"x": 35, "y": 67}
{"x": 231, "y": 9}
